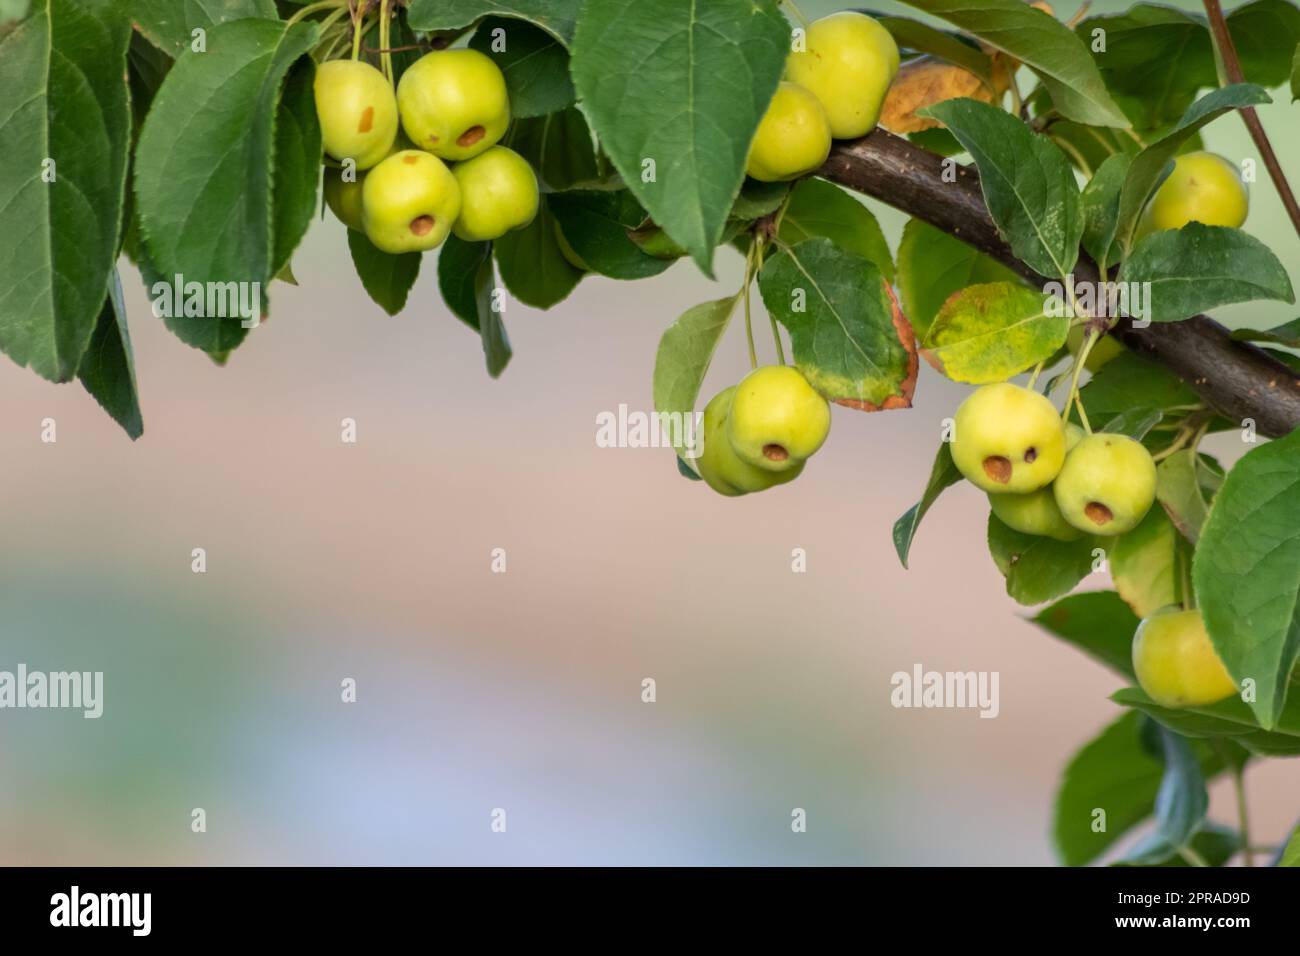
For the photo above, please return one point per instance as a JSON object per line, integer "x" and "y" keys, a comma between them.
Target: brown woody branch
{"x": 1235, "y": 378}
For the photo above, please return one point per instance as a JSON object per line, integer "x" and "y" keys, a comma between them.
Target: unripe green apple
{"x": 344, "y": 197}
{"x": 777, "y": 419}
{"x": 1175, "y": 662}
{"x": 454, "y": 103}
{"x": 357, "y": 111}
{"x": 1204, "y": 188}
{"x": 1103, "y": 350}
{"x": 793, "y": 137}
{"x": 1033, "y": 513}
{"x": 848, "y": 64}
{"x": 409, "y": 202}
{"x": 718, "y": 463}
{"x": 1008, "y": 439}
{"x": 1106, "y": 485}
{"x": 1073, "y": 435}
{"x": 498, "y": 193}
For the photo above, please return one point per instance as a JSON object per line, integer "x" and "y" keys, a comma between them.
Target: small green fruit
{"x": 718, "y": 463}
{"x": 1106, "y": 485}
{"x": 1008, "y": 439}
{"x": 498, "y": 193}
{"x": 357, "y": 111}
{"x": 777, "y": 420}
{"x": 1073, "y": 435}
{"x": 793, "y": 138}
{"x": 409, "y": 202}
{"x": 344, "y": 197}
{"x": 1175, "y": 661}
{"x": 1033, "y": 513}
{"x": 848, "y": 64}
{"x": 454, "y": 103}
{"x": 1204, "y": 188}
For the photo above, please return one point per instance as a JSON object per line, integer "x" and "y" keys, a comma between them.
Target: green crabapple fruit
{"x": 1175, "y": 662}
{"x": 718, "y": 462}
{"x": 1033, "y": 513}
{"x": 454, "y": 103}
{"x": 793, "y": 137}
{"x": 1073, "y": 435}
{"x": 357, "y": 111}
{"x": 1008, "y": 439}
{"x": 409, "y": 202}
{"x": 1205, "y": 188}
{"x": 498, "y": 193}
{"x": 848, "y": 64}
{"x": 344, "y": 197}
{"x": 1106, "y": 485}
{"x": 777, "y": 420}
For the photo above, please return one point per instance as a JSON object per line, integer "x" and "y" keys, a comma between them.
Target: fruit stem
{"x": 798, "y": 14}
{"x": 314, "y": 8}
{"x": 1074, "y": 154}
{"x": 1191, "y": 856}
{"x": 385, "y": 39}
{"x": 760, "y": 243}
{"x": 1073, "y": 397}
{"x": 1033, "y": 378}
{"x": 356, "y": 28}
{"x": 749, "y": 325}
{"x": 1243, "y": 808}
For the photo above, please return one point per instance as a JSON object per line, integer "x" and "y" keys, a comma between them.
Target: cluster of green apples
{"x": 761, "y": 432}
{"x": 452, "y": 107}
{"x": 833, "y": 88}
{"x": 1047, "y": 477}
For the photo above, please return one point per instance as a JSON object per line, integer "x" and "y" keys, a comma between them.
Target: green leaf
{"x": 1100, "y": 201}
{"x": 850, "y": 339}
{"x": 1150, "y": 166}
{"x": 556, "y": 17}
{"x": 685, "y": 353}
{"x": 492, "y": 330}
{"x": 1144, "y": 565}
{"x": 1229, "y": 719}
{"x": 297, "y": 163}
{"x": 1028, "y": 184}
{"x": 560, "y": 149}
{"x": 1182, "y": 801}
{"x": 170, "y": 24}
{"x": 1247, "y": 572}
{"x": 597, "y": 224}
{"x": 943, "y": 474}
{"x": 534, "y": 62}
{"x": 1286, "y": 334}
{"x": 1099, "y": 623}
{"x": 1212, "y": 843}
{"x": 63, "y": 72}
{"x": 758, "y": 199}
{"x": 386, "y": 278}
{"x": 11, "y": 10}
{"x": 532, "y": 265}
{"x": 1131, "y": 381}
{"x": 1291, "y": 853}
{"x": 1038, "y": 569}
{"x": 1043, "y": 44}
{"x": 922, "y": 38}
{"x": 204, "y": 172}
{"x": 1136, "y": 423}
{"x": 933, "y": 265}
{"x": 1199, "y": 268}
{"x": 1178, "y": 489}
{"x": 676, "y": 88}
{"x": 466, "y": 281}
{"x": 1265, "y": 33}
{"x": 818, "y": 208}
{"x": 108, "y": 369}
{"x": 988, "y": 333}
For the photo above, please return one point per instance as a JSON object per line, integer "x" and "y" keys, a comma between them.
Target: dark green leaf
{"x": 1038, "y": 569}
{"x": 170, "y": 24}
{"x": 65, "y": 126}
{"x": 1181, "y": 802}
{"x": 560, "y": 149}
{"x": 458, "y": 263}
{"x": 819, "y": 208}
{"x": 685, "y": 353}
{"x": 1098, "y": 623}
{"x": 1178, "y": 489}
{"x": 556, "y": 17}
{"x": 675, "y": 90}
{"x": 297, "y": 162}
{"x": 1212, "y": 843}
{"x": 532, "y": 265}
{"x": 1136, "y": 423}
{"x": 1100, "y": 201}
{"x": 597, "y": 223}
{"x": 1231, "y": 719}
{"x": 922, "y": 38}
{"x": 1287, "y": 334}
{"x": 943, "y": 474}
{"x": 1130, "y": 381}
{"x": 758, "y": 199}
{"x": 534, "y": 62}
{"x": 108, "y": 367}
{"x": 386, "y": 278}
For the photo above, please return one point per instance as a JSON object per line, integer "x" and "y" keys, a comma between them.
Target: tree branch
{"x": 1236, "y": 379}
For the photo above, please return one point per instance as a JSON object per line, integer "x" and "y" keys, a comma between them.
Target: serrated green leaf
{"x": 204, "y": 172}
{"x": 170, "y": 24}
{"x": 988, "y": 333}
{"x": 943, "y": 474}
{"x": 1038, "y": 569}
{"x": 933, "y": 265}
{"x": 532, "y": 265}
{"x": 556, "y": 17}
{"x": 597, "y": 223}
{"x": 1144, "y": 564}
{"x": 65, "y": 125}
{"x": 386, "y": 278}
{"x": 675, "y": 90}
{"x": 1247, "y": 572}
{"x": 850, "y": 339}
{"x": 1178, "y": 489}
{"x": 1028, "y": 184}
{"x": 1230, "y": 719}
{"x": 108, "y": 368}
{"x": 1199, "y": 268}
{"x": 685, "y": 353}
{"x": 818, "y": 208}
{"x": 535, "y": 64}
{"x": 297, "y": 157}
{"x": 1099, "y": 623}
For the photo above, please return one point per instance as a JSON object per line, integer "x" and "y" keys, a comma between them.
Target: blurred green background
{"x": 522, "y": 690}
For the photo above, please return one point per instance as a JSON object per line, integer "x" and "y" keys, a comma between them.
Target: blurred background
{"x": 371, "y": 561}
